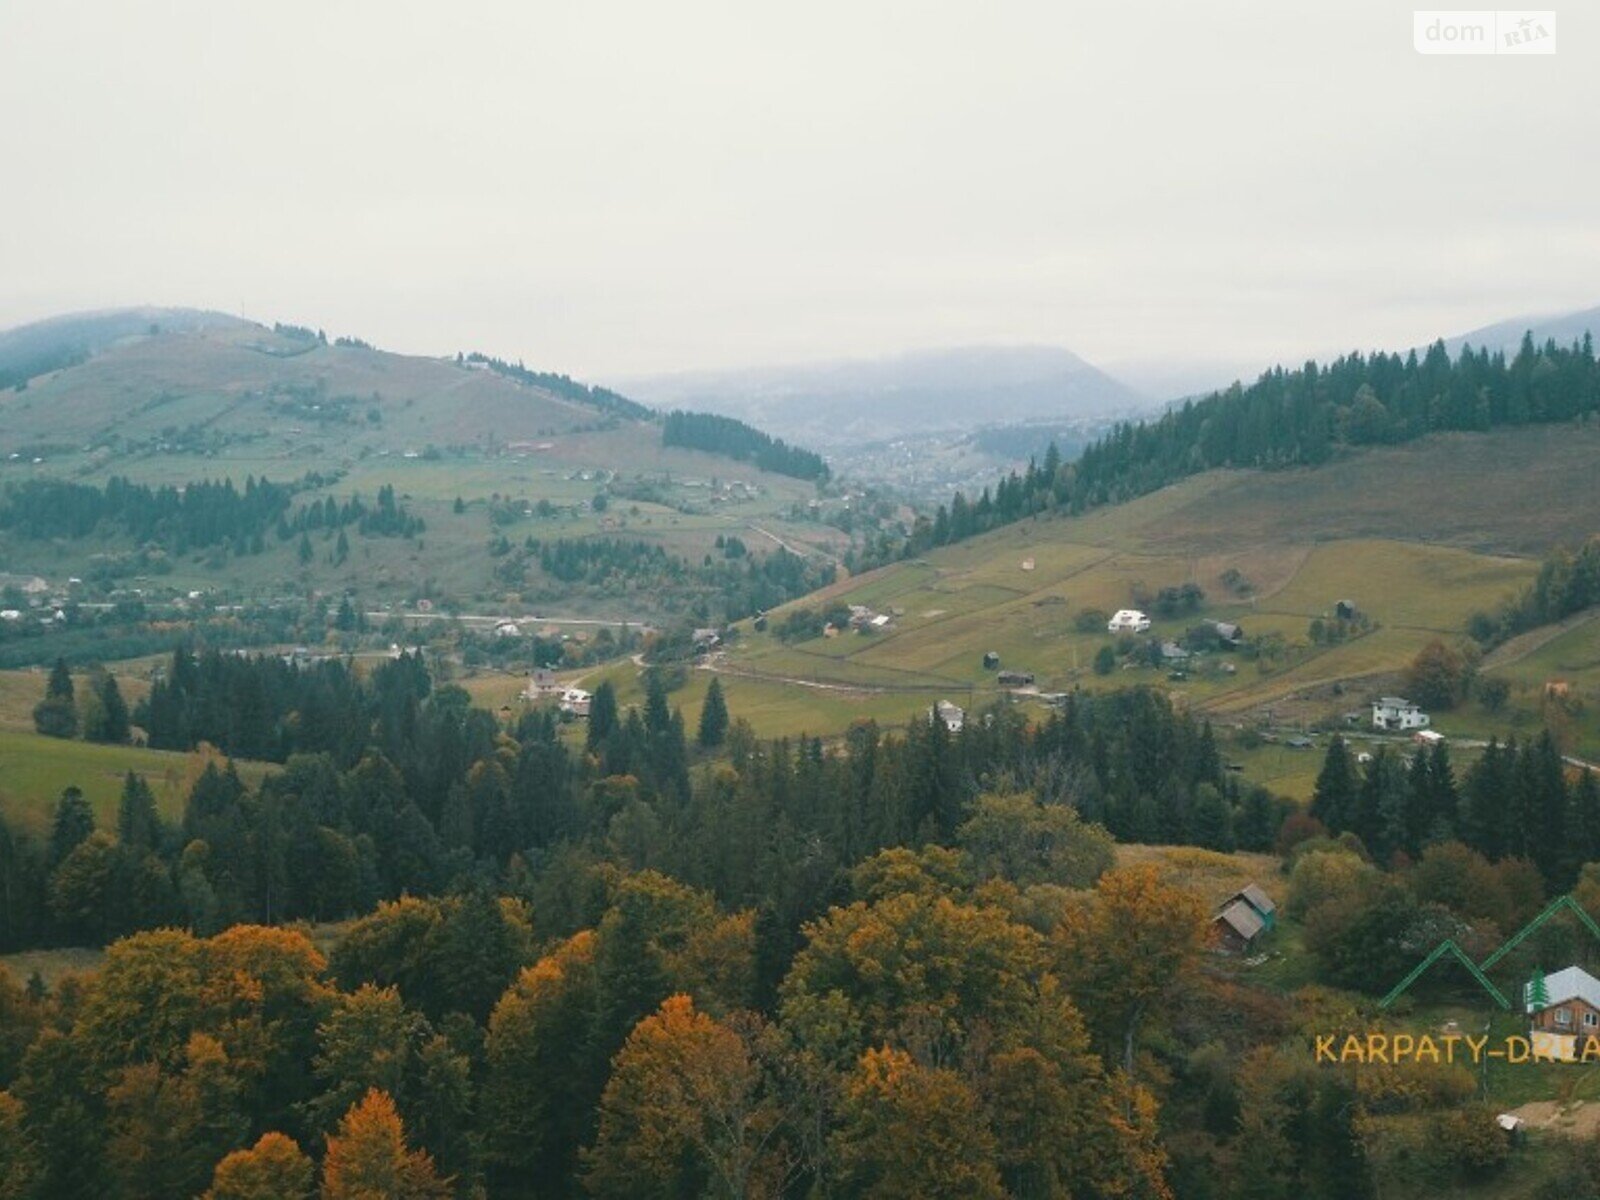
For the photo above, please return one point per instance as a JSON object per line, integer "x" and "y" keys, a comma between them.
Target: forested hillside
{"x": 1289, "y": 418}
{"x": 735, "y": 439}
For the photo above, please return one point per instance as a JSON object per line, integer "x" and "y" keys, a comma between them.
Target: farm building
{"x": 1396, "y": 714}
{"x": 1345, "y": 610}
{"x": 1242, "y": 919}
{"x": 1562, "y": 1009}
{"x": 1172, "y": 652}
{"x": 1128, "y": 620}
{"x": 862, "y": 617}
{"x": 508, "y": 629}
{"x": 1427, "y": 738}
{"x": 1215, "y": 635}
{"x": 575, "y": 702}
{"x": 991, "y": 661}
{"x": 1236, "y": 928}
{"x": 540, "y": 684}
{"x": 705, "y": 639}
{"x": 1016, "y": 678}
{"x": 1228, "y": 633}
{"x": 1257, "y": 899}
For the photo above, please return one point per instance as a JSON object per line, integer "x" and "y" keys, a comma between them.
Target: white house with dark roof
{"x": 1395, "y": 714}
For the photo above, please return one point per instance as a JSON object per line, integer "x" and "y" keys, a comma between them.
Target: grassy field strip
{"x": 34, "y": 771}
{"x": 1528, "y": 644}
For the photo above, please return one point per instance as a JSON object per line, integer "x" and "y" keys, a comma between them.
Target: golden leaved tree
{"x": 274, "y": 1168}
{"x": 687, "y": 1111}
{"x": 368, "y": 1159}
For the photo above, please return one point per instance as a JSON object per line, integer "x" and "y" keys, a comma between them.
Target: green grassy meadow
{"x": 35, "y": 770}
{"x": 1419, "y": 538}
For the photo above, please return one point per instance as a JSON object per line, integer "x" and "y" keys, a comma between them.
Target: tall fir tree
{"x": 713, "y": 717}
{"x": 1335, "y": 797}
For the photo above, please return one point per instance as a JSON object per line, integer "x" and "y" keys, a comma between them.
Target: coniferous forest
{"x": 734, "y": 439}
{"x": 647, "y": 965}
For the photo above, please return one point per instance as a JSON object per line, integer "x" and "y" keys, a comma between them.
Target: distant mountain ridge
{"x": 1565, "y": 328}
{"x": 840, "y": 403}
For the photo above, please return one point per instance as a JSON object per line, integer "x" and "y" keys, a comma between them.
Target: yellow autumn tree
{"x": 685, "y": 1113}
{"x": 273, "y": 1169}
{"x": 919, "y": 971}
{"x": 1134, "y": 942}
{"x": 909, "y": 1132}
{"x": 1060, "y": 1123}
{"x": 368, "y": 1160}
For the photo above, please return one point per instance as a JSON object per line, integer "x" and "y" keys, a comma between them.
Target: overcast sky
{"x": 611, "y": 189}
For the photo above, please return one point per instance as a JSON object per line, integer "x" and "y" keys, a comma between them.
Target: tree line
{"x": 724, "y": 588}
{"x": 393, "y": 786}
{"x": 567, "y": 388}
{"x": 732, "y": 438}
{"x": 1516, "y": 801}
{"x": 196, "y": 516}
{"x": 1568, "y": 582}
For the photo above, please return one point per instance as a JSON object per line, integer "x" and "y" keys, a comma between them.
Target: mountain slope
{"x": 1418, "y": 537}
{"x": 31, "y": 350}
{"x": 218, "y": 384}
{"x": 485, "y": 466}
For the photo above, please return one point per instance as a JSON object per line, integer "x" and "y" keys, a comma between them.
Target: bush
{"x": 1493, "y": 694}
{"x": 1439, "y": 676}
{"x": 1091, "y": 620}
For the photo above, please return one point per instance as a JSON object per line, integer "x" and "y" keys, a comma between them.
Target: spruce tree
{"x": 602, "y": 716}
{"x": 1335, "y": 797}
{"x": 114, "y": 721}
{"x": 57, "y": 714}
{"x": 138, "y": 824}
{"x": 713, "y": 717}
{"x": 71, "y": 826}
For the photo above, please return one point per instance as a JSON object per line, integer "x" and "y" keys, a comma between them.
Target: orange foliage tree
{"x": 368, "y": 1159}
{"x": 273, "y": 1169}
{"x": 686, "y": 1112}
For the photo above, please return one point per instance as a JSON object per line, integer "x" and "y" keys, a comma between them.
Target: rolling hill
{"x": 171, "y": 397}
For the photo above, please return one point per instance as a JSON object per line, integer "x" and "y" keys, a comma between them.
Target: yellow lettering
{"x": 1591, "y": 1048}
{"x": 1402, "y": 1045}
{"x": 1325, "y": 1048}
{"x": 1378, "y": 1047}
{"x": 1517, "y": 1049}
{"x": 1450, "y": 1040}
{"x": 1427, "y": 1050}
{"x": 1476, "y": 1045}
{"x": 1353, "y": 1051}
